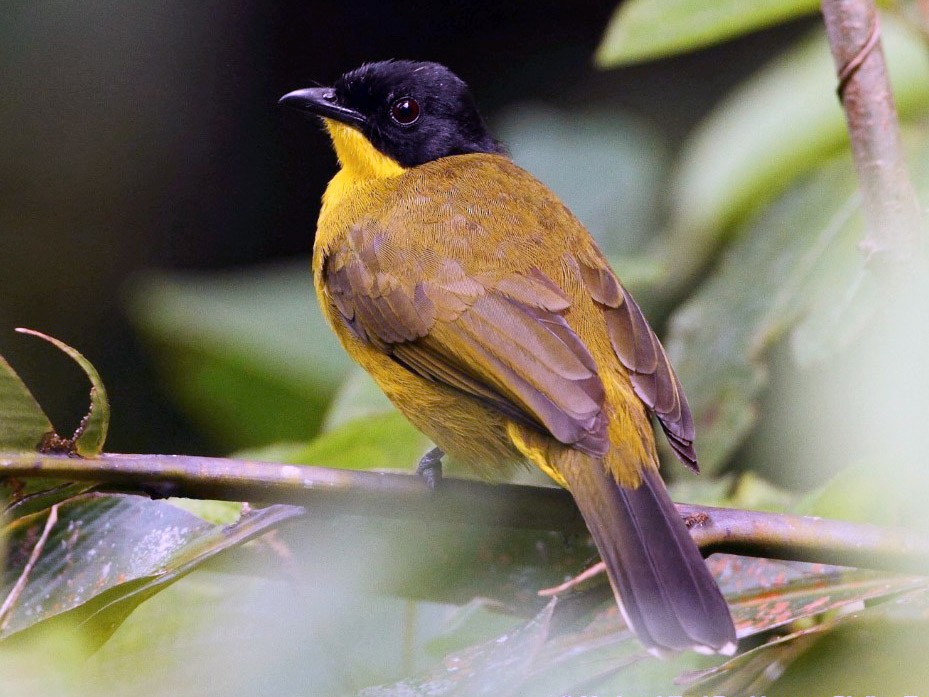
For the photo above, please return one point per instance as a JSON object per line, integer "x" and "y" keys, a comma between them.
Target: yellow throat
{"x": 359, "y": 162}
{"x": 357, "y": 156}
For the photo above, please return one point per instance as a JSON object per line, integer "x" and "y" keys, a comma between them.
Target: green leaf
{"x": 216, "y": 512}
{"x": 23, "y": 424}
{"x": 90, "y": 435}
{"x": 382, "y": 441}
{"x": 718, "y": 338}
{"x": 248, "y": 354}
{"x": 743, "y": 490}
{"x": 883, "y": 647}
{"x": 777, "y": 125}
{"x": 794, "y": 264}
{"x": 495, "y": 667}
{"x": 880, "y": 493}
{"x": 359, "y": 396}
{"x": 641, "y": 30}
{"x": 24, "y": 427}
{"x": 106, "y": 553}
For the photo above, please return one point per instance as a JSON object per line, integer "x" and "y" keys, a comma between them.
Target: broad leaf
{"x": 357, "y": 397}
{"x": 105, "y": 554}
{"x": 23, "y": 424}
{"x": 90, "y": 435}
{"x": 645, "y": 29}
{"x": 248, "y": 355}
{"x": 718, "y": 338}
{"x": 778, "y": 124}
{"x": 380, "y": 441}
{"x": 797, "y": 259}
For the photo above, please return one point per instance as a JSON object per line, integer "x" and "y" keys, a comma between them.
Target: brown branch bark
{"x": 330, "y": 492}
{"x": 889, "y": 203}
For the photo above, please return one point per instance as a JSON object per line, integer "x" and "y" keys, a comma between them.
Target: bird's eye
{"x": 405, "y": 111}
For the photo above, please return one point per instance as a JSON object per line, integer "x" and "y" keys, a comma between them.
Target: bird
{"x": 488, "y": 315}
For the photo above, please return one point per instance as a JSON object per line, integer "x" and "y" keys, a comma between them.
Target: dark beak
{"x": 321, "y": 101}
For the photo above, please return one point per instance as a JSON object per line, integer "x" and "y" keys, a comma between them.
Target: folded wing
{"x": 502, "y": 339}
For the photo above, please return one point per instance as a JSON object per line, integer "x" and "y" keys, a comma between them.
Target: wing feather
{"x": 639, "y": 350}
{"x": 502, "y": 339}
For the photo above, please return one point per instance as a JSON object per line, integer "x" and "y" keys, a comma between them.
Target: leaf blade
{"x": 641, "y": 30}
{"x": 91, "y": 434}
{"x": 776, "y": 126}
{"x": 23, "y": 424}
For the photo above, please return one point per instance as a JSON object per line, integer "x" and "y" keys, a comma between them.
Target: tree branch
{"x": 331, "y": 492}
{"x": 889, "y": 203}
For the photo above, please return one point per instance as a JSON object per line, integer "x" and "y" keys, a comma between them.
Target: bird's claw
{"x": 430, "y": 467}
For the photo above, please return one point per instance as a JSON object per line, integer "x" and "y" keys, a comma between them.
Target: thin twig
{"x": 889, "y": 203}
{"x": 13, "y": 596}
{"x": 329, "y": 492}
{"x": 586, "y": 574}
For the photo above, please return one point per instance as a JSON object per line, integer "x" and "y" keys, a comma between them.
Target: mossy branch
{"x": 330, "y": 492}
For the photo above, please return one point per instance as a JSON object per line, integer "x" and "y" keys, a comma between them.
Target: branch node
{"x": 848, "y": 70}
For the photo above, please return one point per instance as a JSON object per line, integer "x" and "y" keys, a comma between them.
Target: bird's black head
{"x": 413, "y": 112}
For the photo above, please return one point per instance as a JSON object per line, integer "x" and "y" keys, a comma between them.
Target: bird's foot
{"x": 430, "y": 467}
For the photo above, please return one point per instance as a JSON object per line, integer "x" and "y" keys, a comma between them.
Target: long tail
{"x": 665, "y": 591}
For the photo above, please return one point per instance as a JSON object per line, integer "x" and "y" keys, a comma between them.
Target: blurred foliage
{"x": 647, "y": 29}
{"x": 800, "y": 364}
{"x": 796, "y": 257}
{"x": 783, "y": 122}
{"x": 222, "y": 337}
{"x": 377, "y": 441}
{"x": 610, "y": 169}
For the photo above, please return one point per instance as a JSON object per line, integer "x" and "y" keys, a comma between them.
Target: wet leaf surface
{"x": 108, "y": 552}
{"x": 579, "y": 648}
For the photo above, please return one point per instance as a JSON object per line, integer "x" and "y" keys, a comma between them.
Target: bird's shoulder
{"x": 479, "y": 210}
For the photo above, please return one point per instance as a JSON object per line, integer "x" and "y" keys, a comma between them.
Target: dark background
{"x": 146, "y": 135}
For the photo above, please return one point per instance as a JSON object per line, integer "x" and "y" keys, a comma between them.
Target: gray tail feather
{"x": 665, "y": 590}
